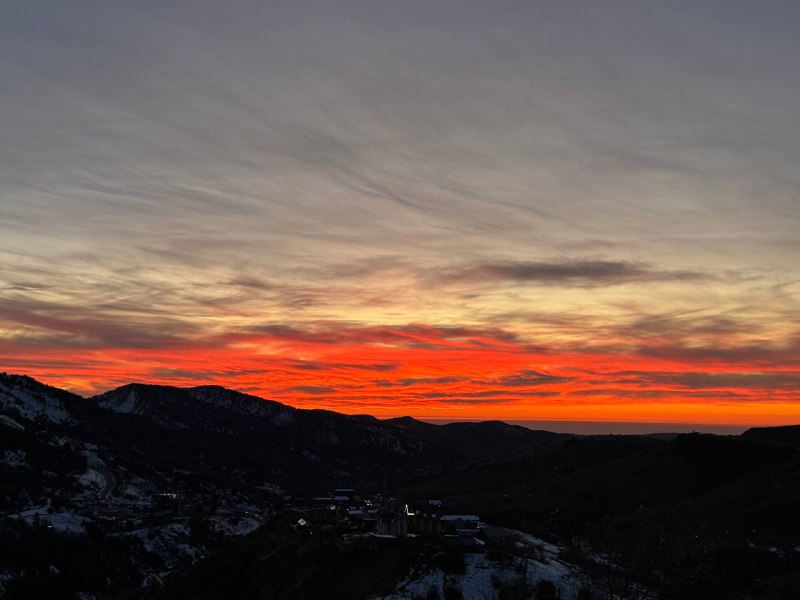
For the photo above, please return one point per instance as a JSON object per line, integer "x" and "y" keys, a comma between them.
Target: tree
{"x": 546, "y": 590}
{"x": 662, "y": 557}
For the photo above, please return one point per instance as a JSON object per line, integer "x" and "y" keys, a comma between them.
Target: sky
{"x": 533, "y": 210}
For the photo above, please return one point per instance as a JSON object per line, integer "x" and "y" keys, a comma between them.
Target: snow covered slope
{"x": 29, "y": 399}
{"x": 243, "y": 404}
{"x": 167, "y": 406}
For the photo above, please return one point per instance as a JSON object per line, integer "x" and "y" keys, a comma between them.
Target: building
{"x": 458, "y": 523}
{"x": 392, "y": 523}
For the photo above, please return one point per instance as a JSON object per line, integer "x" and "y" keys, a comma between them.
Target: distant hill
{"x": 70, "y": 467}
{"x": 787, "y": 434}
{"x": 732, "y": 498}
{"x": 477, "y": 440}
{"x": 303, "y": 450}
{"x": 698, "y": 516}
{"x": 233, "y": 458}
{"x": 274, "y": 564}
{"x": 32, "y": 400}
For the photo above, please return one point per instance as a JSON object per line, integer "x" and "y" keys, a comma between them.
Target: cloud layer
{"x": 511, "y": 209}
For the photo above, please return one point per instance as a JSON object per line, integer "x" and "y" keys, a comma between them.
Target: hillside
{"x": 149, "y": 477}
{"x": 787, "y": 434}
{"x": 695, "y": 517}
{"x": 731, "y": 500}
{"x": 157, "y": 479}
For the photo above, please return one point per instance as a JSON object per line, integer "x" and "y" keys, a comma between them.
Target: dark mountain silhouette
{"x": 731, "y": 499}
{"x": 696, "y": 516}
{"x": 725, "y": 504}
{"x": 302, "y": 449}
{"x": 274, "y": 563}
{"x": 477, "y": 440}
{"x": 787, "y": 434}
{"x": 30, "y": 399}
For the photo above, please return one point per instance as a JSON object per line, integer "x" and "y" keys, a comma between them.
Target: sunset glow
{"x": 353, "y": 212}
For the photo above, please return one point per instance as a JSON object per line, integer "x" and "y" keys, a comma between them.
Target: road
{"x": 111, "y": 483}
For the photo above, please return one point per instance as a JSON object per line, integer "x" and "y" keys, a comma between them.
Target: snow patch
{"x": 31, "y": 404}
{"x": 93, "y": 479}
{"x": 15, "y": 458}
{"x": 483, "y": 576}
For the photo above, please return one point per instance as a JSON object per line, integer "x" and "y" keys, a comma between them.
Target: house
{"x": 392, "y": 523}
{"x": 456, "y": 523}
{"x": 426, "y": 518}
{"x": 344, "y": 494}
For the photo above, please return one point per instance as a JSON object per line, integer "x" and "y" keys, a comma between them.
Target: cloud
{"x": 410, "y": 336}
{"x": 586, "y": 273}
{"x": 56, "y": 325}
{"x": 528, "y": 377}
{"x": 461, "y": 199}
{"x": 336, "y": 366}
{"x": 409, "y": 381}
{"x": 312, "y": 389}
{"x": 701, "y": 380}
{"x": 492, "y": 394}
{"x": 646, "y": 394}
{"x": 762, "y": 353}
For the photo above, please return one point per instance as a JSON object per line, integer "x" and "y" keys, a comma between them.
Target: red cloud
{"x": 444, "y": 371}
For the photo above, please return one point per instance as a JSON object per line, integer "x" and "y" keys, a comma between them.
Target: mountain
{"x": 243, "y": 404}
{"x": 97, "y": 492}
{"x": 692, "y": 517}
{"x": 191, "y": 407}
{"x": 294, "y": 448}
{"x": 33, "y": 400}
{"x": 787, "y": 434}
{"x": 220, "y": 410}
{"x": 147, "y": 478}
{"x": 477, "y": 440}
{"x": 358, "y": 443}
{"x": 166, "y": 406}
{"x": 701, "y": 516}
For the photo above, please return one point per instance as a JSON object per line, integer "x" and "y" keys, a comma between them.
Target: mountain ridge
{"x": 353, "y": 442}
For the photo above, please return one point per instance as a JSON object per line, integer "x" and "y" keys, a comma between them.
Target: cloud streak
{"x": 511, "y": 209}
{"x": 586, "y": 273}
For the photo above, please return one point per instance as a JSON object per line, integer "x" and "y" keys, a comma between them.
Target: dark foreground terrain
{"x": 206, "y": 488}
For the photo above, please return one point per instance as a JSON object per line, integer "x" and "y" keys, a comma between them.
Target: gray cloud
{"x": 532, "y": 378}
{"x": 655, "y": 394}
{"x": 699, "y": 380}
{"x": 508, "y": 395}
{"x": 312, "y": 389}
{"x": 578, "y": 273}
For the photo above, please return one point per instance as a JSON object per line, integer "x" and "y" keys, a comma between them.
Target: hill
{"x": 728, "y": 501}
{"x": 787, "y": 434}
{"x": 148, "y": 477}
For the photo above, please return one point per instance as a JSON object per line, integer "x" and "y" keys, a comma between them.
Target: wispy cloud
{"x": 585, "y": 273}
{"x": 383, "y": 204}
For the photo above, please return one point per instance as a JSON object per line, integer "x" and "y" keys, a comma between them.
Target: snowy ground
{"x": 170, "y": 542}
{"x": 235, "y": 524}
{"x": 32, "y": 406}
{"x": 137, "y": 490}
{"x": 94, "y": 480}
{"x": 66, "y": 522}
{"x": 15, "y": 458}
{"x": 482, "y": 574}
{"x": 92, "y": 458}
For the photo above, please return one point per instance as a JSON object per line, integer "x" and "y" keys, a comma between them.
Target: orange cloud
{"x": 444, "y": 372}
